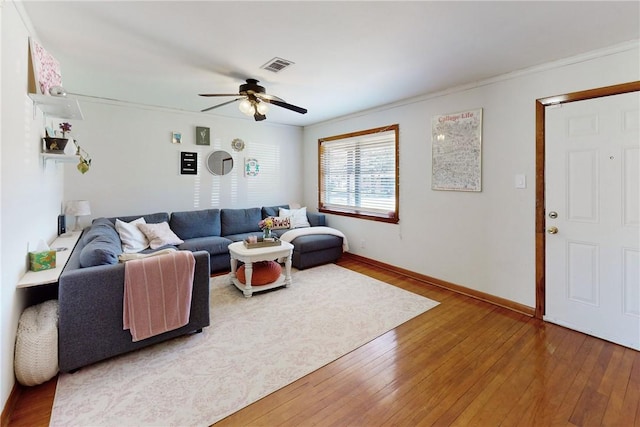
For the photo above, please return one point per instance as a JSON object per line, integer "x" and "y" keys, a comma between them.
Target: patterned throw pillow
{"x": 280, "y": 222}
{"x": 159, "y": 235}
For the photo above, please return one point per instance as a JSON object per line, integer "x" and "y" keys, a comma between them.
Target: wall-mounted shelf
{"x": 61, "y": 107}
{"x": 59, "y": 158}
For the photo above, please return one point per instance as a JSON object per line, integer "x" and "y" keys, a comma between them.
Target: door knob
{"x": 552, "y": 230}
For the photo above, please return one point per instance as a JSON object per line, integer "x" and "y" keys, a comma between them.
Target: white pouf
{"x": 36, "y": 355}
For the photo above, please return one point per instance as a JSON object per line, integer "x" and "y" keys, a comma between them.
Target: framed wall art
{"x": 202, "y": 136}
{"x": 44, "y": 72}
{"x": 176, "y": 137}
{"x": 188, "y": 163}
{"x": 251, "y": 167}
{"x": 456, "y": 141}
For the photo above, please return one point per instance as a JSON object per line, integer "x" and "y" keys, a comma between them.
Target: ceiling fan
{"x": 253, "y": 100}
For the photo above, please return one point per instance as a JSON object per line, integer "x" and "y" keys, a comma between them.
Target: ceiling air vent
{"x": 277, "y": 64}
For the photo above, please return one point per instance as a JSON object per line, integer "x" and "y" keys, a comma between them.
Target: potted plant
{"x": 55, "y": 144}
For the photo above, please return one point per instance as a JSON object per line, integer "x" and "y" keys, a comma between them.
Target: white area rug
{"x": 253, "y": 347}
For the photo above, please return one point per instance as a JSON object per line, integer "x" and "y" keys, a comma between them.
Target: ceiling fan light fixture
{"x": 262, "y": 108}
{"x": 246, "y": 107}
{"x": 254, "y": 100}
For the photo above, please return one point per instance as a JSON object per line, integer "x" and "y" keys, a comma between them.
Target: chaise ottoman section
{"x": 316, "y": 249}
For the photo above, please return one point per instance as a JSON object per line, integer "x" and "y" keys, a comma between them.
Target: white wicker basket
{"x": 36, "y": 355}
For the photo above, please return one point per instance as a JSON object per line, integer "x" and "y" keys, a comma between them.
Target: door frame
{"x": 541, "y": 104}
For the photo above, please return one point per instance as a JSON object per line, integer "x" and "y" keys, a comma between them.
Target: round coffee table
{"x": 239, "y": 252}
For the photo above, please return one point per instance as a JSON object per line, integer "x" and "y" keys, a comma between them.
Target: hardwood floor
{"x": 463, "y": 363}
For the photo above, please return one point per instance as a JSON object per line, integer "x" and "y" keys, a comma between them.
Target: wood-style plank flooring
{"x": 463, "y": 363}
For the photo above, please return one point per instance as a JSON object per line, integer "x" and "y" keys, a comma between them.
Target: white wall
{"x": 30, "y": 194}
{"x": 135, "y": 166}
{"x": 483, "y": 241}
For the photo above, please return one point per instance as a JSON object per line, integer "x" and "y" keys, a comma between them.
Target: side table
{"x": 239, "y": 252}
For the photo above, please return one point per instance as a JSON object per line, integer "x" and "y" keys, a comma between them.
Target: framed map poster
{"x": 456, "y": 141}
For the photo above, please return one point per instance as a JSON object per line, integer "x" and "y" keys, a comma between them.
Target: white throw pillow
{"x": 159, "y": 235}
{"x": 298, "y": 217}
{"x": 133, "y": 240}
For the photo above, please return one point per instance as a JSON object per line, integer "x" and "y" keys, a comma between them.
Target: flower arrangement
{"x": 65, "y": 127}
{"x": 266, "y": 224}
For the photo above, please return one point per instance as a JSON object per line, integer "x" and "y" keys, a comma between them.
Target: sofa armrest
{"x": 316, "y": 219}
{"x": 90, "y": 313}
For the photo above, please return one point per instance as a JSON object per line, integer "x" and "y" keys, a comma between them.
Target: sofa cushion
{"x": 160, "y": 235}
{"x": 316, "y": 219}
{"x": 213, "y": 244}
{"x": 243, "y": 236}
{"x": 153, "y": 218}
{"x": 272, "y": 210}
{"x": 192, "y": 224}
{"x": 236, "y": 221}
{"x": 100, "y": 251}
{"x": 264, "y": 272}
{"x": 133, "y": 240}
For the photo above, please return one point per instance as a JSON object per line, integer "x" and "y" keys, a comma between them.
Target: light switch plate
{"x": 521, "y": 181}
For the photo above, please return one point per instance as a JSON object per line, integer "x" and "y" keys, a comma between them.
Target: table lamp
{"x": 77, "y": 208}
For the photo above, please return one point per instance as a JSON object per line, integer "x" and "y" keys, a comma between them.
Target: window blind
{"x": 358, "y": 173}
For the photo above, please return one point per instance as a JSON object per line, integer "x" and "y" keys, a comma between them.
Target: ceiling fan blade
{"x": 218, "y": 94}
{"x": 287, "y": 106}
{"x": 267, "y": 97}
{"x": 221, "y": 105}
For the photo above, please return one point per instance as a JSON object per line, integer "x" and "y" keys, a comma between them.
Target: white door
{"x": 592, "y": 215}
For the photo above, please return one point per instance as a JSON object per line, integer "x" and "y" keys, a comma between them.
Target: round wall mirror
{"x": 219, "y": 162}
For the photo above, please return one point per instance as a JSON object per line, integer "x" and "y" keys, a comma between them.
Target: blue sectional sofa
{"x": 213, "y": 230}
{"x": 91, "y": 286}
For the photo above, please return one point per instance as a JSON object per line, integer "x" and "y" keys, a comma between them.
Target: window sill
{"x": 361, "y": 215}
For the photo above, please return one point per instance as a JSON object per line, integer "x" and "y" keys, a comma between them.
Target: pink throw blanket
{"x": 157, "y": 293}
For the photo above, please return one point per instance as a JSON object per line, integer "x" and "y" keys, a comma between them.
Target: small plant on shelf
{"x": 65, "y": 127}
{"x": 53, "y": 142}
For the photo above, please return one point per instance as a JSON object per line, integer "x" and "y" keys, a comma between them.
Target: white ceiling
{"x": 349, "y": 55}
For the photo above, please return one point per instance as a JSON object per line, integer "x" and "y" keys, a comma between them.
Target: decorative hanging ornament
{"x": 237, "y": 144}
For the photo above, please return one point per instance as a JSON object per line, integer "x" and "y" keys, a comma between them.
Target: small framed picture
{"x": 251, "y": 167}
{"x": 176, "y": 137}
{"x": 202, "y": 135}
{"x": 188, "y": 163}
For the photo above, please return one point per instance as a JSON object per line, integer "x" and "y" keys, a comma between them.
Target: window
{"x": 359, "y": 174}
